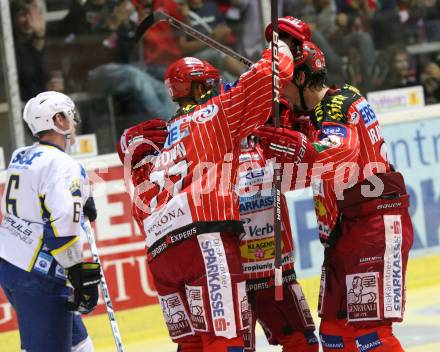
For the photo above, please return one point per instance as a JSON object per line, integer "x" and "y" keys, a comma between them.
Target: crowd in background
{"x": 90, "y": 48}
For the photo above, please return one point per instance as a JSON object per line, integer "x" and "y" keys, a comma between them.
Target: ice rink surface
{"x": 143, "y": 329}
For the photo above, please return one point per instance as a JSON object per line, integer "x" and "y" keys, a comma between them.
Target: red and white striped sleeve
{"x": 249, "y": 104}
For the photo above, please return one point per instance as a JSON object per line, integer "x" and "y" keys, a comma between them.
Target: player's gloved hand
{"x": 85, "y": 278}
{"x": 143, "y": 139}
{"x": 89, "y": 209}
{"x": 285, "y": 145}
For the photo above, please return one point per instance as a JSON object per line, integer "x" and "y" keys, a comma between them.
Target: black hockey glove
{"x": 85, "y": 278}
{"x": 89, "y": 209}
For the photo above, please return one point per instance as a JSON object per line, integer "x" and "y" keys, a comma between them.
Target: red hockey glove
{"x": 285, "y": 145}
{"x": 142, "y": 139}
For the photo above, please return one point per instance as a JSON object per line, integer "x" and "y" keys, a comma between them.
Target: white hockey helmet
{"x": 39, "y": 111}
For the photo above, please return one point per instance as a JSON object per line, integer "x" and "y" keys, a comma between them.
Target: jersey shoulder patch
{"x": 335, "y": 108}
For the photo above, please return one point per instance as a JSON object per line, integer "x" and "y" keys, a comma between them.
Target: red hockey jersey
{"x": 351, "y": 148}
{"x": 189, "y": 184}
{"x": 257, "y": 243}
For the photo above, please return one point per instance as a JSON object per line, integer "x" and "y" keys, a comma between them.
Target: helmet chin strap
{"x": 68, "y": 135}
{"x": 301, "y": 88}
{"x": 301, "y": 96}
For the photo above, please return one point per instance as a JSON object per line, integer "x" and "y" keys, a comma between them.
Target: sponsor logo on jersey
{"x": 24, "y": 158}
{"x": 318, "y": 187}
{"x": 206, "y": 114}
{"x": 310, "y": 337}
{"x": 332, "y": 342}
{"x": 257, "y": 231}
{"x": 167, "y": 157}
{"x": 175, "y": 315}
{"x": 266, "y": 265}
{"x": 43, "y": 262}
{"x": 258, "y": 250}
{"x": 319, "y": 208}
{"x": 367, "y": 113}
{"x": 245, "y": 157}
{"x": 389, "y": 205}
{"x": 306, "y": 315}
{"x": 177, "y": 131}
{"x": 335, "y": 130}
{"x": 18, "y": 228}
{"x": 245, "y": 312}
{"x": 256, "y": 176}
{"x": 174, "y": 215}
{"x": 255, "y": 203}
{"x": 322, "y": 286}
{"x": 60, "y": 272}
{"x": 323, "y": 230}
{"x": 370, "y": 260}
{"x": 375, "y": 134}
{"x": 363, "y": 296}
{"x": 219, "y": 284}
{"x": 197, "y": 311}
{"x": 330, "y": 141}
{"x": 393, "y": 274}
{"x": 354, "y": 118}
{"x": 368, "y": 342}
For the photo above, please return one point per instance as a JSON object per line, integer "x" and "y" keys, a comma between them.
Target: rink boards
{"x": 413, "y": 146}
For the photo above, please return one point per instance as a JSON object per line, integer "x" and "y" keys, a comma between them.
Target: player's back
{"x": 28, "y": 179}
{"x": 42, "y": 208}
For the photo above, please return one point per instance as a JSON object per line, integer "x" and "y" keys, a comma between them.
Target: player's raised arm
{"x": 249, "y": 104}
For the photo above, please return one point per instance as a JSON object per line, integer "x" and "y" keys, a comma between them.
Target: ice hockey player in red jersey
{"x": 362, "y": 210}
{"x": 185, "y": 205}
{"x": 289, "y": 322}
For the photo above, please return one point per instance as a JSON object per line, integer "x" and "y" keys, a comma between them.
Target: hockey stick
{"x": 184, "y": 28}
{"x": 87, "y": 227}
{"x": 277, "y": 171}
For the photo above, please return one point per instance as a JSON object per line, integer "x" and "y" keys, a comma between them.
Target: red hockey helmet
{"x": 309, "y": 58}
{"x": 295, "y": 27}
{"x": 180, "y": 75}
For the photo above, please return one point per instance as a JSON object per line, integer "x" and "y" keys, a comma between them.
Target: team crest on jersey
{"x": 206, "y": 114}
{"x": 75, "y": 188}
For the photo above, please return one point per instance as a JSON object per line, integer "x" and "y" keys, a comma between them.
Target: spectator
{"x": 350, "y": 39}
{"x": 385, "y": 18}
{"x": 251, "y": 40}
{"x": 205, "y": 17}
{"x": 424, "y": 19}
{"x": 29, "y": 38}
{"x": 431, "y": 83}
{"x": 321, "y": 16}
{"x": 115, "y": 21}
{"x": 400, "y": 72}
{"x": 111, "y": 25}
{"x": 160, "y": 42}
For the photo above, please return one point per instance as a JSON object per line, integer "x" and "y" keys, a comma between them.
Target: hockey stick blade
{"x": 146, "y": 23}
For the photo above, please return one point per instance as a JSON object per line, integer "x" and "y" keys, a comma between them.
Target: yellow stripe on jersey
{"x": 65, "y": 246}
{"x": 34, "y": 257}
{"x": 49, "y": 212}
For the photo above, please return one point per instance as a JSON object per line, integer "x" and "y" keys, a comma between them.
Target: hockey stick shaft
{"x": 184, "y": 28}
{"x": 277, "y": 171}
{"x": 104, "y": 288}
